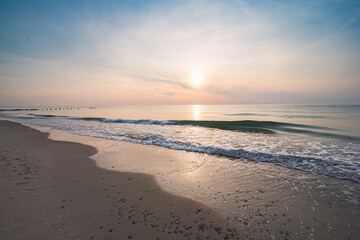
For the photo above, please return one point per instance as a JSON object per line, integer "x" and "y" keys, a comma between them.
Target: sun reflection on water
{"x": 196, "y": 112}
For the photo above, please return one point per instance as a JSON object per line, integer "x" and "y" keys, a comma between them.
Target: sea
{"x": 318, "y": 139}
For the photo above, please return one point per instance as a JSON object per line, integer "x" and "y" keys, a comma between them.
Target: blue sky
{"x": 145, "y": 52}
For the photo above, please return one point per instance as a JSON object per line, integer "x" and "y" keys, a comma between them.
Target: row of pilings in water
{"x": 42, "y": 109}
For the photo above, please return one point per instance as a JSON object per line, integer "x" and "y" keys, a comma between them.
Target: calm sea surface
{"x": 321, "y": 139}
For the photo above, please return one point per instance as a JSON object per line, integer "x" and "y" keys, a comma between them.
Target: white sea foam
{"x": 328, "y": 157}
{"x": 307, "y": 143}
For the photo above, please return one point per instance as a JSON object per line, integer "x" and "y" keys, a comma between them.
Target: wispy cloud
{"x": 246, "y": 48}
{"x": 157, "y": 80}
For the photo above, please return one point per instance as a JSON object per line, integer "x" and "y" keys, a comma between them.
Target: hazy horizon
{"x": 99, "y": 53}
{"x": 144, "y": 105}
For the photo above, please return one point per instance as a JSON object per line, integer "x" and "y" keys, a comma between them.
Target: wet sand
{"x": 53, "y": 190}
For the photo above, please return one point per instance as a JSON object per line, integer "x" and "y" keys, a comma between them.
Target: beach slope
{"x": 53, "y": 190}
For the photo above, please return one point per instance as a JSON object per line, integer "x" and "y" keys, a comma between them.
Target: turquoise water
{"x": 322, "y": 139}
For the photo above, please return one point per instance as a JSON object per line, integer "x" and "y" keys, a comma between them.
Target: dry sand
{"x": 53, "y": 190}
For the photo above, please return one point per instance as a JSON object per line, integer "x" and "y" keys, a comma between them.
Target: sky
{"x": 105, "y": 52}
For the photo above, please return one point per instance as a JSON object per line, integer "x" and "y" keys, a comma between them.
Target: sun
{"x": 196, "y": 79}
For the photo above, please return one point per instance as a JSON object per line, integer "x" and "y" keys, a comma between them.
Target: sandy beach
{"x": 64, "y": 186}
{"x": 53, "y": 190}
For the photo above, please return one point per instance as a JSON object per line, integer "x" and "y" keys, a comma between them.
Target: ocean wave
{"x": 178, "y": 135}
{"x": 47, "y": 115}
{"x": 108, "y": 120}
{"x": 243, "y": 126}
{"x": 131, "y": 121}
{"x": 282, "y": 116}
{"x": 348, "y": 170}
{"x": 247, "y": 126}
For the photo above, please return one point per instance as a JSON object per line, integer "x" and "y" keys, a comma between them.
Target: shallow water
{"x": 319, "y": 139}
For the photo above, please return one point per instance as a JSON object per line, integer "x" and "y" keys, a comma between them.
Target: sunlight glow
{"x": 196, "y": 79}
{"x": 196, "y": 110}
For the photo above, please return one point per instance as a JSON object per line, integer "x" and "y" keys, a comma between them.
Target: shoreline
{"x": 263, "y": 200}
{"x": 53, "y": 190}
